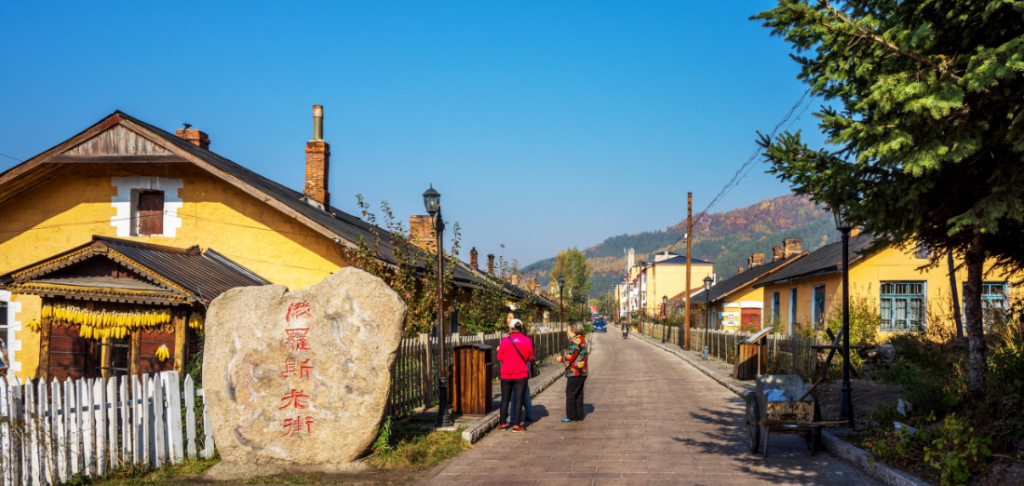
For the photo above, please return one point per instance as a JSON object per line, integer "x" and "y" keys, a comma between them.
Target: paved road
{"x": 652, "y": 419}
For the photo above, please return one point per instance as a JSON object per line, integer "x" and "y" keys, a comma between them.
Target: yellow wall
{"x": 66, "y": 212}
{"x": 747, "y": 293}
{"x": 887, "y": 265}
{"x": 670, "y": 280}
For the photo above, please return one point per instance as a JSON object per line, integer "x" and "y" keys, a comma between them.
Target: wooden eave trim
{"x": 99, "y": 294}
{"x": 42, "y": 158}
{"x": 53, "y": 265}
{"x": 115, "y": 159}
{"x": 238, "y": 183}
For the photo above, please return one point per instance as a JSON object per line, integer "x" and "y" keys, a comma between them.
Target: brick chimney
{"x": 421, "y": 232}
{"x": 473, "y": 259}
{"x": 318, "y": 162}
{"x": 490, "y": 263}
{"x": 755, "y": 260}
{"x": 792, "y": 246}
{"x": 195, "y": 137}
{"x": 777, "y": 253}
{"x": 739, "y": 269}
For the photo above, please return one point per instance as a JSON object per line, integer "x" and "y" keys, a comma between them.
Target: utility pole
{"x": 689, "y": 246}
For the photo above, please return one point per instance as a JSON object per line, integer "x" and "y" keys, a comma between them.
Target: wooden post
{"x": 180, "y": 321}
{"x": 425, "y": 364}
{"x": 43, "y": 372}
{"x": 689, "y": 246}
{"x": 135, "y": 353}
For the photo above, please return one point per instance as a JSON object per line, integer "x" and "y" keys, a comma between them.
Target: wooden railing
{"x": 786, "y": 354}
{"x": 414, "y": 383}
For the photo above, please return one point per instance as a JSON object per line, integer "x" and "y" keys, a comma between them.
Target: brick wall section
{"x": 318, "y": 163}
{"x": 196, "y": 137}
{"x": 421, "y": 232}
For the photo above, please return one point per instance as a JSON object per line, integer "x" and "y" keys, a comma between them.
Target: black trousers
{"x": 574, "y": 397}
{"x": 510, "y": 389}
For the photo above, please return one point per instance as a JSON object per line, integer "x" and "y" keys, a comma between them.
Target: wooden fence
{"x": 786, "y": 354}
{"x": 51, "y": 432}
{"x": 414, "y": 383}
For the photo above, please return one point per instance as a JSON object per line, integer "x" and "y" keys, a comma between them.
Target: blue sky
{"x": 544, "y": 125}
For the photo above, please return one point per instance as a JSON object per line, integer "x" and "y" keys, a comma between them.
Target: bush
{"x": 957, "y": 451}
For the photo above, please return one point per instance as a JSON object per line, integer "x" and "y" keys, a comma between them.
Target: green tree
{"x": 924, "y": 118}
{"x": 572, "y": 264}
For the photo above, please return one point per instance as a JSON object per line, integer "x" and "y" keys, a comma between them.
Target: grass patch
{"x": 300, "y": 479}
{"x": 172, "y": 474}
{"x": 408, "y": 446}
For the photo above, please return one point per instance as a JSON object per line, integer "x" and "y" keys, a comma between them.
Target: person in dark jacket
{"x": 515, "y": 353}
{"x": 575, "y": 361}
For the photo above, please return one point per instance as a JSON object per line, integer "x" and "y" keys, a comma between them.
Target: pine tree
{"x": 923, "y": 112}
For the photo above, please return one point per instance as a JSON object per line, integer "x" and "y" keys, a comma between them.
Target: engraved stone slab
{"x": 300, "y": 378}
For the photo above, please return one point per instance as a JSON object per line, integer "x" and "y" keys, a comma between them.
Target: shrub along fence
{"x": 52, "y": 432}
{"x": 414, "y": 383}
{"x": 786, "y": 354}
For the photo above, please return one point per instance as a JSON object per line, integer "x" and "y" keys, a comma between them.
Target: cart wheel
{"x": 753, "y": 428}
{"x": 813, "y": 436}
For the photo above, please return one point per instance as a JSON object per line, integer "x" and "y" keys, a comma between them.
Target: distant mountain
{"x": 727, "y": 239}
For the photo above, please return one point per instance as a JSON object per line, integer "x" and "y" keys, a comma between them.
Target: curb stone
{"x": 838, "y": 447}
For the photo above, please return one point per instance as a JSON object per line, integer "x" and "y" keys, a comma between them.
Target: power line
{"x": 748, "y": 165}
{"x": 12, "y": 158}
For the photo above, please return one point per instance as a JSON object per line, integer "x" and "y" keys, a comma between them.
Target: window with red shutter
{"x": 151, "y": 213}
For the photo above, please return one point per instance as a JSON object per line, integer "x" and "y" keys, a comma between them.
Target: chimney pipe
{"x": 473, "y": 259}
{"x": 318, "y": 163}
{"x": 739, "y": 269}
{"x": 318, "y": 122}
{"x": 490, "y": 263}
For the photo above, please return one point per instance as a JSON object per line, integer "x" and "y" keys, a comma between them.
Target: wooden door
{"x": 750, "y": 319}
{"x": 71, "y": 356}
{"x": 151, "y": 213}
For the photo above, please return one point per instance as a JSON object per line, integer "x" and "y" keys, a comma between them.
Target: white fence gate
{"x": 49, "y": 432}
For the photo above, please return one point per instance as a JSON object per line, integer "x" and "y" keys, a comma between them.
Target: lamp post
{"x": 707, "y": 309}
{"x": 432, "y": 202}
{"x": 664, "y": 305}
{"x": 842, "y": 216}
{"x": 561, "y": 305}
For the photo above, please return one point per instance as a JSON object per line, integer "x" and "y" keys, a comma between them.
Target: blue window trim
{"x": 776, "y": 304}
{"x": 817, "y": 312}
{"x": 902, "y": 306}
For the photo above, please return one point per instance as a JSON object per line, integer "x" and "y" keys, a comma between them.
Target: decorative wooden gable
{"x": 117, "y": 140}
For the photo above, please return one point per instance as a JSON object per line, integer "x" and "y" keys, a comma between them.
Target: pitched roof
{"x": 825, "y": 260}
{"x": 330, "y": 221}
{"x": 167, "y": 274}
{"x": 725, "y": 287}
{"x": 679, "y": 260}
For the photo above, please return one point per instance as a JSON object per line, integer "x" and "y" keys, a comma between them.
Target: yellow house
{"x": 736, "y": 304}
{"x": 126, "y": 179}
{"x": 665, "y": 278}
{"x": 807, "y": 292}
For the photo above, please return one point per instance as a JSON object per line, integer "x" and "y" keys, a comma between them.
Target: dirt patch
{"x": 867, "y": 395}
{"x": 1001, "y": 474}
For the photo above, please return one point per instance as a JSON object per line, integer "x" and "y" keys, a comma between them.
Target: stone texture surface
{"x": 300, "y": 378}
{"x": 652, "y": 419}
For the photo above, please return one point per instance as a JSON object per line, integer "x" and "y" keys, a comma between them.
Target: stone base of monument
{"x": 234, "y": 471}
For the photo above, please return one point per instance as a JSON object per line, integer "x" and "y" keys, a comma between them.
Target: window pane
{"x": 151, "y": 213}
{"x": 901, "y": 288}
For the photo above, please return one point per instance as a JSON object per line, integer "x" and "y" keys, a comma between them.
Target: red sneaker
{"x": 504, "y": 426}
{"x": 518, "y": 429}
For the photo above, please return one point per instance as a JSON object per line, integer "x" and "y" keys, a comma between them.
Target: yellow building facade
{"x": 665, "y": 277}
{"x": 892, "y": 280}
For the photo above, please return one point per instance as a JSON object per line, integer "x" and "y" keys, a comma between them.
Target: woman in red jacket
{"x": 515, "y": 353}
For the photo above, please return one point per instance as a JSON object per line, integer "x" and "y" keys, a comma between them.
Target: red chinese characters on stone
{"x": 295, "y": 398}
{"x": 295, "y": 425}
{"x": 292, "y": 367}
{"x": 297, "y": 310}
{"x": 296, "y": 339}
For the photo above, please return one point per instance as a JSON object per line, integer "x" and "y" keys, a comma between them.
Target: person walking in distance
{"x": 515, "y": 353}
{"x": 575, "y": 361}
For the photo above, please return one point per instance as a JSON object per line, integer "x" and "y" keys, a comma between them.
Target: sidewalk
{"x": 721, "y": 372}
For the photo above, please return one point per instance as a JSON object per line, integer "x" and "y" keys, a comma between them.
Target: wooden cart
{"x": 782, "y": 417}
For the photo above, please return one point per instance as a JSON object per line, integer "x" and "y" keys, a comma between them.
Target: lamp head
{"x": 664, "y": 300}
{"x": 842, "y": 216}
{"x": 561, "y": 281}
{"x": 432, "y": 200}
{"x": 707, "y": 283}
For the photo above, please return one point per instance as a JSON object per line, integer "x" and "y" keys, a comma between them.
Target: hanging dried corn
{"x": 100, "y": 324}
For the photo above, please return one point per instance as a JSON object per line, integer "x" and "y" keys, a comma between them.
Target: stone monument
{"x": 299, "y": 378}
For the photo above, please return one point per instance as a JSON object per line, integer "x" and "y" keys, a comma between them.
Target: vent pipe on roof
{"x": 318, "y": 122}
{"x": 318, "y": 164}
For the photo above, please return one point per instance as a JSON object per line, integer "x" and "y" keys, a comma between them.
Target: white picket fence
{"x": 49, "y": 432}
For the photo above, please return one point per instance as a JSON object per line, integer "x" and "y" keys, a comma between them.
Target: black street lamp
{"x": 842, "y": 215}
{"x": 561, "y": 305}
{"x": 664, "y": 305}
{"x": 707, "y": 309}
{"x": 432, "y": 201}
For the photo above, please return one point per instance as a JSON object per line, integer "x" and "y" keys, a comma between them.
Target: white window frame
{"x": 126, "y": 202}
{"x": 12, "y": 327}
